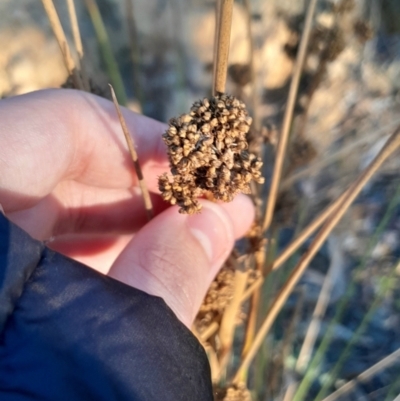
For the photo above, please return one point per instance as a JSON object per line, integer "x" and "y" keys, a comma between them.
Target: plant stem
{"x": 209, "y": 331}
{"x": 62, "y": 42}
{"x": 135, "y": 50}
{"x": 391, "y": 146}
{"x": 106, "y": 50}
{"x": 321, "y": 306}
{"x": 394, "y": 388}
{"x": 254, "y": 97}
{"x": 384, "y": 287}
{"x": 253, "y": 287}
{"x": 78, "y": 43}
{"x": 273, "y": 192}
{"x": 346, "y": 150}
{"x": 229, "y": 318}
{"x": 288, "y": 117}
{"x": 142, "y": 183}
{"x": 223, "y": 37}
{"x": 343, "y": 304}
{"x": 308, "y": 231}
{"x": 366, "y": 375}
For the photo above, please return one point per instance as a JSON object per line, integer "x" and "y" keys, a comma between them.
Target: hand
{"x": 67, "y": 178}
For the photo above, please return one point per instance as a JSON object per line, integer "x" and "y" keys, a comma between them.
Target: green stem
{"x": 313, "y": 370}
{"x": 106, "y": 51}
{"x": 383, "y": 288}
{"x": 394, "y": 390}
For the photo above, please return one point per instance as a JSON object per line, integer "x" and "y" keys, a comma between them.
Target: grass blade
{"x": 384, "y": 287}
{"x": 366, "y": 375}
{"x": 62, "y": 42}
{"x": 391, "y": 146}
{"x": 229, "y": 318}
{"x": 78, "y": 42}
{"x": 105, "y": 48}
{"x": 287, "y": 119}
{"x": 320, "y": 307}
{"x": 142, "y": 183}
{"x": 340, "y": 309}
{"x": 277, "y": 172}
{"x": 223, "y": 37}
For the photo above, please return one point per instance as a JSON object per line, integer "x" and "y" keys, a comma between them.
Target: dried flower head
{"x": 218, "y": 296}
{"x": 207, "y": 150}
{"x": 363, "y": 30}
{"x": 235, "y": 392}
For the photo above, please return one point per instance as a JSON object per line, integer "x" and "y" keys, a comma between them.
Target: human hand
{"x": 66, "y": 177}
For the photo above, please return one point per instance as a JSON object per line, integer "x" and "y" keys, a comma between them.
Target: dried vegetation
{"x": 215, "y": 152}
{"x": 207, "y": 150}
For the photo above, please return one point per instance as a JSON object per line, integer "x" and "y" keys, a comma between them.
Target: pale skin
{"x": 67, "y": 178}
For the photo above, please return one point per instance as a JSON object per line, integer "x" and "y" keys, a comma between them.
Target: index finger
{"x": 53, "y": 135}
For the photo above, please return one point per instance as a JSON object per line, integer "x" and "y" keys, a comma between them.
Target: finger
{"x": 77, "y": 208}
{"x": 53, "y": 135}
{"x": 98, "y": 252}
{"x": 176, "y": 256}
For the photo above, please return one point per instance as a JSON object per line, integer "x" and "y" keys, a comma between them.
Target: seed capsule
{"x": 207, "y": 153}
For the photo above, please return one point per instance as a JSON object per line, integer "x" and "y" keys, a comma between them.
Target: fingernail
{"x": 213, "y": 230}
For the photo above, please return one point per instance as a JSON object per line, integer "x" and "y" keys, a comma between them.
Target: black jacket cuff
{"x": 69, "y": 333}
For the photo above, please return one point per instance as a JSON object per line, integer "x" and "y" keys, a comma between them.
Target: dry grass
{"x": 222, "y": 42}
{"x": 391, "y": 146}
{"x": 253, "y": 267}
{"x": 131, "y": 146}
{"x": 78, "y": 43}
{"x": 58, "y": 30}
{"x": 366, "y": 375}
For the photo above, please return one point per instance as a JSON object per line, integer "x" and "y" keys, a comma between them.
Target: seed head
{"x": 235, "y": 392}
{"x": 207, "y": 151}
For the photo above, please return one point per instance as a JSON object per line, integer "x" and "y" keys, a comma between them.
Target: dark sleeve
{"x": 70, "y": 333}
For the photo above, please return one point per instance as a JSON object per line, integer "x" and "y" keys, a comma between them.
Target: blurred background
{"x": 348, "y": 105}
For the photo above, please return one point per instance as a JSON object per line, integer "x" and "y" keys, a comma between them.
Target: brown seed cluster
{"x": 235, "y": 392}
{"x": 217, "y": 298}
{"x": 207, "y": 150}
{"x": 96, "y": 87}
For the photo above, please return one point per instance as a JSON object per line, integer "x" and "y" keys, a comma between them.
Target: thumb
{"x": 177, "y": 256}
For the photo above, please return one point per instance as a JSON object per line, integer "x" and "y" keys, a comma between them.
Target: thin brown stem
{"x": 287, "y": 119}
{"x": 321, "y": 306}
{"x": 142, "y": 183}
{"x": 254, "y": 97}
{"x": 308, "y": 231}
{"x": 209, "y": 331}
{"x": 216, "y": 41}
{"x": 62, "y": 42}
{"x": 290, "y": 391}
{"x": 366, "y": 375}
{"x": 223, "y": 37}
{"x": 253, "y": 287}
{"x": 251, "y": 322}
{"x": 214, "y": 362}
{"x": 78, "y": 42}
{"x": 229, "y": 318}
{"x": 292, "y": 247}
{"x": 326, "y": 160}
{"x": 391, "y": 146}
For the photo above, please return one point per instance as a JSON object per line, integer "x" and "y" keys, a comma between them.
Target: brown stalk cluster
{"x": 235, "y": 392}
{"x": 217, "y": 298}
{"x": 207, "y": 150}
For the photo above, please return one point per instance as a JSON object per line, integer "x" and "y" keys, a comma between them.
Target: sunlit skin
{"x": 67, "y": 179}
